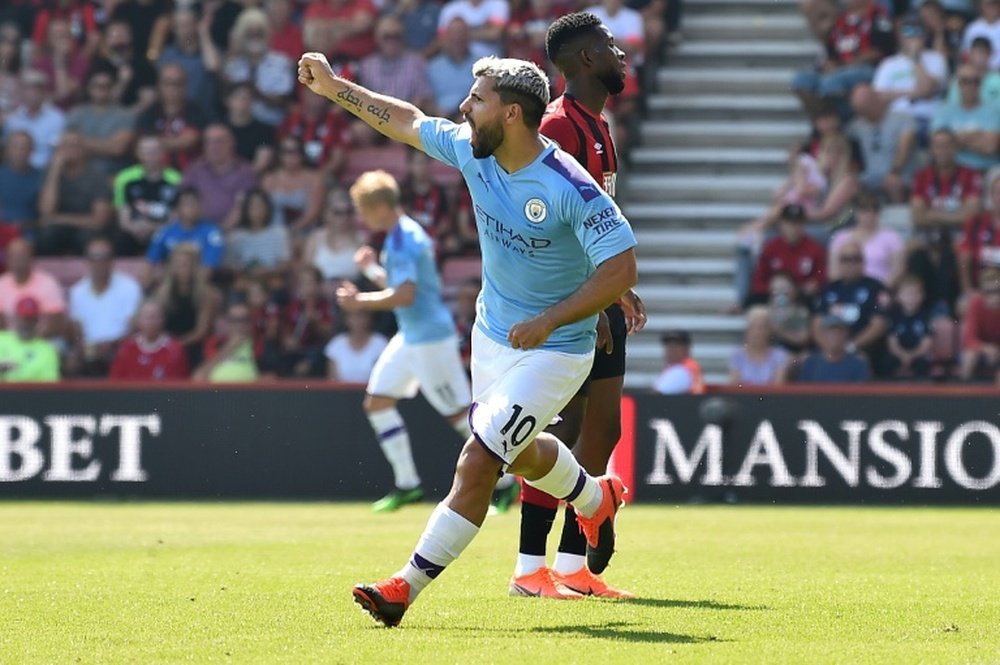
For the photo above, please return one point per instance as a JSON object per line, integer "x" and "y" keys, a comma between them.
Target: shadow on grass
{"x": 623, "y": 631}
{"x": 696, "y": 604}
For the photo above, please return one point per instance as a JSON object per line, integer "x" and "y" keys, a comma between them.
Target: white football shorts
{"x": 516, "y": 394}
{"x": 434, "y": 368}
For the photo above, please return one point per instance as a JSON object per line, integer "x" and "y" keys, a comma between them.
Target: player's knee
{"x": 476, "y": 466}
{"x": 377, "y": 403}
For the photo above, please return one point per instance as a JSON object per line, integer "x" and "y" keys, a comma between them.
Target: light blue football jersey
{"x": 408, "y": 256}
{"x": 543, "y": 230}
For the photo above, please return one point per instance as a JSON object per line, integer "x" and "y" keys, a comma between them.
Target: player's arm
{"x": 612, "y": 278}
{"x": 397, "y": 119}
{"x": 350, "y": 298}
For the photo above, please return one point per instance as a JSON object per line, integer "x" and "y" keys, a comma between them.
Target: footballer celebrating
{"x": 547, "y": 273}
{"x": 584, "y": 50}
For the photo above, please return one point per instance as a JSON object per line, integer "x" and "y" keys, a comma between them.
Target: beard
{"x": 613, "y": 81}
{"x": 488, "y": 139}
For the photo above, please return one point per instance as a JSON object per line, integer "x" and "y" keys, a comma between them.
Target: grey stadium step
{"x": 668, "y": 298}
{"x": 692, "y": 214}
{"x": 697, "y": 323}
{"x": 778, "y": 53}
{"x": 733, "y": 188}
{"x": 684, "y": 268}
{"x": 724, "y": 134}
{"x": 755, "y": 24}
{"x": 712, "y": 160}
{"x": 712, "y": 80}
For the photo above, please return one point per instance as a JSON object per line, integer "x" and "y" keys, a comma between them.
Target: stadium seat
{"x": 460, "y": 268}
{"x": 444, "y": 175}
{"x": 67, "y": 270}
{"x": 391, "y": 158}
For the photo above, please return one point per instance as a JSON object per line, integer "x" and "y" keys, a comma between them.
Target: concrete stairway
{"x": 714, "y": 147}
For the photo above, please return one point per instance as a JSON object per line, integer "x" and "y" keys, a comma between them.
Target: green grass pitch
{"x": 270, "y": 583}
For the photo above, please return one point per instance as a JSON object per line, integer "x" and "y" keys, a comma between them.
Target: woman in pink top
{"x": 883, "y": 248}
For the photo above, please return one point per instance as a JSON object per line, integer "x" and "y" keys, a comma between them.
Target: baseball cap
{"x": 27, "y": 308}
{"x": 833, "y": 321}
{"x": 676, "y": 337}
{"x": 793, "y": 212}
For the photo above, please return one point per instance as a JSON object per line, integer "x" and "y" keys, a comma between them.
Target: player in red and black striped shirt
{"x": 584, "y": 50}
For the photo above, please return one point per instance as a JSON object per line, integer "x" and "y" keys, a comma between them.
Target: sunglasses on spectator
{"x": 851, "y": 258}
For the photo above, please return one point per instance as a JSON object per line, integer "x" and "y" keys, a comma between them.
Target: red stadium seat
{"x": 67, "y": 270}
{"x": 391, "y": 158}
{"x": 460, "y": 268}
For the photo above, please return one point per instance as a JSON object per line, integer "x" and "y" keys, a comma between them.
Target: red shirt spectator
{"x": 948, "y": 191}
{"x": 80, "y": 14}
{"x": 858, "y": 32}
{"x": 794, "y": 253}
{"x": 140, "y": 360}
{"x": 307, "y": 321}
{"x": 980, "y": 245}
{"x": 322, "y": 129}
{"x": 340, "y": 28}
{"x": 981, "y": 325}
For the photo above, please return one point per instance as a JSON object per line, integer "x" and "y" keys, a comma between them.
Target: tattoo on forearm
{"x": 382, "y": 113}
{"x": 349, "y": 97}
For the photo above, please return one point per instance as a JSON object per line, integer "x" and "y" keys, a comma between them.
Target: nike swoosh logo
{"x": 588, "y": 592}
{"x": 527, "y": 592}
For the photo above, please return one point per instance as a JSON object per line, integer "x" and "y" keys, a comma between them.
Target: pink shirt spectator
{"x": 218, "y": 190}
{"x": 41, "y": 286}
{"x": 880, "y": 251}
{"x": 404, "y": 77}
{"x": 476, "y": 14}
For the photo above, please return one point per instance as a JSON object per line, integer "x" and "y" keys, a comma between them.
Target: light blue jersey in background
{"x": 408, "y": 256}
{"x": 542, "y": 231}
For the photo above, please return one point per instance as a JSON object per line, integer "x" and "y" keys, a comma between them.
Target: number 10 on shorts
{"x": 519, "y": 428}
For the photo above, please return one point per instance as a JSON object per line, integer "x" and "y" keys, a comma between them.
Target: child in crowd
{"x": 910, "y": 338}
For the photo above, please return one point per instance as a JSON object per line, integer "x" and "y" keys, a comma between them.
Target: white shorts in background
{"x": 517, "y": 394}
{"x": 434, "y": 368}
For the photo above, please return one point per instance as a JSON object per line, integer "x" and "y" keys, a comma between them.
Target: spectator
{"x": 24, "y": 354}
{"x": 221, "y": 16}
{"x": 351, "y": 355}
{"x": 296, "y": 189}
{"x": 980, "y": 245}
{"x": 524, "y": 35}
{"x": 331, "y": 248}
{"x": 988, "y": 26}
{"x": 144, "y": 195}
{"x": 976, "y": 125}
{"x": 342, "y": 29}
{"x": 835, "y": 361}
{"x": 789, "y": 315}
{"x": 944, "y": 31}
{"x": 10, "y": 68}
{"x": 36, "y": 116}
{"x": 460, "y": 238}
{"x": 485, "y": 19}
{"x": 24, "y": 279}
{"x": 135, "y": 82}
{"x": 450, "y": 72}
{"x": 106, "y": 128}
{"x": 886, "y": 139}
{"x": 911, "y": 81}
{"x": 75, "y": 201}
{"x": 254, "y": 139}
{"x": 860, "y": 38}
{"x": 286, "y": 34}
{"x": 188, "y": 227}
{"x": 465, "y": 318}
{"x": 981, "y": 329}
{"x": 323, "y": 129}
{"x": 420, "y": 22}
{"x": 219, "y": 175}
{"x": 394, "y": 70}
{"x": 81, "y": 17}
{"x": 840, "y": 160}
{"x": 20, "y": 186}
{"x": 149, "y": 21}
{"x": 189, "y": 302}
{"x": 150, "y": 354}
{"x": 271, "y": 74}
{"x": 682, "y": 373}
{"x": 266, "y": 316}
{"x": 860, "y": 302}
{"x": 978, "y": 59}
{"x": 191, "y": 49}
{"x": 258, "y": 245}
{"x": 792, "y": 252}
{"x": 101, "y": 307}
{"x": 63, "y": 63}
{"x": 232, "y": 359}
{"x": 626, "y": 25}
{"x": 911, "y": 337}
{"x": 422, "y": 198}
{"x": 177, "y": 121}
{"x": 883, "y": 248}
{"x": 757, "y": 362}
{"x": 308, "y": 324}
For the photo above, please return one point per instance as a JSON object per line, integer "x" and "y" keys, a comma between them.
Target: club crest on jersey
{"x": 535, "y": 210}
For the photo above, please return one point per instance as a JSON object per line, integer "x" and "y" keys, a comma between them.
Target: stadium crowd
{"x": 905, "y": 112}
{"x": 173, "y": 205}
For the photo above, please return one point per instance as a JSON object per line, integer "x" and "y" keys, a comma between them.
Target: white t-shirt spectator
{"x": 274, "y": 76}
{"x": 626, "y": 26}
{"x": 897, "y": 74}
{"x": 106, "y": 316}
{"x": 45, "y": 127}
{"x": 674, "y": 380}
{"x": 980, "y": 28}
{"x": 355, "y": 365}
{"x": 476, "y": 15}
